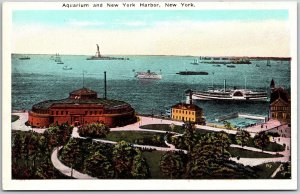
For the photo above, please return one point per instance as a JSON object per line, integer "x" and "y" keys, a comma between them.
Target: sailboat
{"x": 195, "y": 62}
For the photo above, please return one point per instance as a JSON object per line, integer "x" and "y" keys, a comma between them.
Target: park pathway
{"x": 65, "y": 169}
{"x": 75, "y": 134}
{"x": 276, "y": 171}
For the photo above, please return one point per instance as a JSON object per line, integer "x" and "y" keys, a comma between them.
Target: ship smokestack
{"x": 104, "y": 84}
{"x": 191, "y": 95}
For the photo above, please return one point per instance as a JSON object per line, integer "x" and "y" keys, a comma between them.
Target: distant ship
{"x": 24, "y": 58}
{"x": 231, "y": 66}
{"x": 195, "y": 62}
{"x": 230, "y": 95}
{"x": 67, "y": 68}
{"x": 192, "y": 73}
{"x": 148, "y": 75}
{"x": 268, "y": 63}
{"x": 98, "y": 56}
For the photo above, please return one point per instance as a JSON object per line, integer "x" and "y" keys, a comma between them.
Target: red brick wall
{"x": 87, "y": 113}
{"x": 38, "y": 120}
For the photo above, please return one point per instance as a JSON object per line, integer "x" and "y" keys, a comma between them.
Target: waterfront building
{"x": 81, "y": 107}
{"x": 188, "y": 112}
{"x": 280, "y": 104}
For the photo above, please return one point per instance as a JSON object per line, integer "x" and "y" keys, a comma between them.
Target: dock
{"x": 240, "y": 115}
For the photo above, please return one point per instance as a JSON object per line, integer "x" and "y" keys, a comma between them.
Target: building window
{"x": 67, "y": 112}
{"x": 56, "y": 112}
{"x": 86, "y": 112}
{"x": 91, "y": 112}
{"x": 61, "y": 112}
{"x": 52, "y": 112}
{"x": 95, "y": 112}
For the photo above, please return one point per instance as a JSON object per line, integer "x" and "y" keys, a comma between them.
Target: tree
{"x": 71, "y": 153}
{"x": 171, "y": 165}
{"x": 223, "y": 140}
{"x": 123, "y": 154}
{"x": 208, "y": 155}
{"x": 242, "y": 137}
{"x": 227, "y": 125}
{"x": 98, "y": 166}
{"x": 97, "y": 130}
{"x": 189, "y": 136}
{"x": 261, "y": 140}
{"x": 139, "y": 167}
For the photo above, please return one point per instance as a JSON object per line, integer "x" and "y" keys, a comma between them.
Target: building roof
{"x": 186, "y": 106}
{"x": 69, "y": 102}
{"x": 83, "y": 91}
{"x": 279, "y": 93}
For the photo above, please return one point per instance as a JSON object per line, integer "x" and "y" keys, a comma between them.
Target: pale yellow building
{"x": 188, "y": 112}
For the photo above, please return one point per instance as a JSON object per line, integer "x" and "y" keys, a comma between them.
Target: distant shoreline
{"x": 238, "y": 57}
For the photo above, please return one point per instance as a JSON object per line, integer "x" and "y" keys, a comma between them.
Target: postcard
{"x": 149, "y": 96}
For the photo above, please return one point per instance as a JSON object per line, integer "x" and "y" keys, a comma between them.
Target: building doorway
{"x": 76, "y": 120}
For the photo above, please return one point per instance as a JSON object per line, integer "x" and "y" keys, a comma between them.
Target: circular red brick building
{"x": 81, "y": 107}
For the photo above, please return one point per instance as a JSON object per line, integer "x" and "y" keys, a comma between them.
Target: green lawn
{"x": 138, "y": 137}
{"x": 264, "y": 171}
{"x": 163, "y": 127}
{"x": 166, "y": 127}
{"x": 153, "y": 161}
{"x": 14, "y": 118}
{"x": 250, "y": 154}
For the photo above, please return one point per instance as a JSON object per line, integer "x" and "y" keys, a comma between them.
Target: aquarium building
{"x": 81, "y": 107}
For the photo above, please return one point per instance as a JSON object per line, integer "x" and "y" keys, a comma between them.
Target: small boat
{"x": 67, "y": 68}
{"x": 195, "y": 62}
{"x": 24, "y": 58}
{"x": 148, "y": 75}
{"x": 217, "y": 65}
{"x": 192, "y": 73}
{"x": 268, "y": 63}
{"x": 231, "y": 66}
{"x": 257, "y": 65}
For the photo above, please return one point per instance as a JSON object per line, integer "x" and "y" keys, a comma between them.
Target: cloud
{"x": 78, "y": 23}
{"x": 227, "y": 38}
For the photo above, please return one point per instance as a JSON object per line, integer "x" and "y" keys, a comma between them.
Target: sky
{"x": 152, "y": 32}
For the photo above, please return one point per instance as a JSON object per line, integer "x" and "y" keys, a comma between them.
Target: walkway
{"x": 20, "y": 123}
{"x": 65, "y": 169}
{"x": 276, "y": 171}
{"x": 75, "y": 134}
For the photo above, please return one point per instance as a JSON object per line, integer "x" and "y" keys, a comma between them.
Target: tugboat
{"x": 148, "y": 75}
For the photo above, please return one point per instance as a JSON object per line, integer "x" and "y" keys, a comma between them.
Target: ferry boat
{"x": 148, "y": 75}
{"x": 230, "y": 95}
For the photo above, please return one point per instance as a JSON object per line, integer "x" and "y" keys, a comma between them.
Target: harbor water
{"x": 41, "y": 78}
